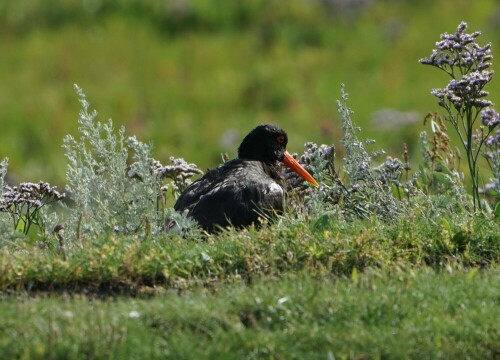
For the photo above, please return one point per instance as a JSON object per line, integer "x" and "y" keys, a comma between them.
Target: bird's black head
{"x": 266, "y": 143}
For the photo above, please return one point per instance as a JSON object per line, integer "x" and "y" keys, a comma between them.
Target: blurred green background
{"x": 193, "y": 76}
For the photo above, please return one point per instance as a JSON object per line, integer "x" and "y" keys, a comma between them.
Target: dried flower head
{"x": 180, "y": 172}
{"x": 23, "y": 202}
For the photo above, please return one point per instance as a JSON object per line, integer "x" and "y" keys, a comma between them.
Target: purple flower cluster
{"x": 459, "y": 54}
{"x": 179, "y": 171}
{"x": 464, "y": 98}
{"x": 490, "y": 118}
{"x": 391, "y": 165}
{"x": 493, "y": 140}
{"x": 390, "y": 171}
{"x": 24, "y": 202}
{"x": 313, "y": 151}
{"x": 311, "y": 156}
{"x": 466, "y": 92}
{"x": 492, "y": 155}
{"x": 491, "y": 152}
{"x": 36, "y": 195}
{"x": 460, "y": 49}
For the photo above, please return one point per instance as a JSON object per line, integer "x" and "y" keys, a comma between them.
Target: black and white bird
{"x": 245, "y": 189}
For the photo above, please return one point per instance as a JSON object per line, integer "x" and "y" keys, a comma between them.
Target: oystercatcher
{"x": 245, "y": 189}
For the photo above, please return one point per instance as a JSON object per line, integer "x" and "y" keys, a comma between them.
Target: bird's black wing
{"x": 236, "y": 194}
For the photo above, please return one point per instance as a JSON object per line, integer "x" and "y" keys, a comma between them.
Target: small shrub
{"x": 108, "y": 193}
{"x": 363, "y": 189}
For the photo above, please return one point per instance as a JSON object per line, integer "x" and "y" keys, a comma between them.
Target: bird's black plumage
{"x": 242, "y": 190}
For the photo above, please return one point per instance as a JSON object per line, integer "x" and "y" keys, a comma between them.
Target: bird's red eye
{"x": 280, "y": 139}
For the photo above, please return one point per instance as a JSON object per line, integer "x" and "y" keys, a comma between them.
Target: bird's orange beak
{"x": 289, "y": 161}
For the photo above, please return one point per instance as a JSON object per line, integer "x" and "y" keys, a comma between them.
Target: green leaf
{"x": 443, "y": 178}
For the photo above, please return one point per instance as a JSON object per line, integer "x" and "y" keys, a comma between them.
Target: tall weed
{"x": 109, "y": 195}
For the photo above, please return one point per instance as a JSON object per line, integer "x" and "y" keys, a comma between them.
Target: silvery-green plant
{"x": 108, "y": 194}
{"x": 464, "y": 98}
{"x": 105, "y": 197}
{"x": 96, "y": 181}
{"x": 370, "y": 187}
{"x": 364, "y": 189}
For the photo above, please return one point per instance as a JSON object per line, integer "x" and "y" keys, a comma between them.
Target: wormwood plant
{"x": 108, "y": 193}
{"x": 371, "y": 188}
{"x": 466, "y": 62}
{"x": 363, "y": 189}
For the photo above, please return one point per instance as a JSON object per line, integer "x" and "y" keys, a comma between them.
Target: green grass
{"x": 416, "y": 288}
{"x": 396, "y": 314}
{"x": 125, "y": 264}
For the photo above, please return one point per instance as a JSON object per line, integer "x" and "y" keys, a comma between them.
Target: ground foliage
{"x": 367, "y": 217}
{"x": 365, "y": 253}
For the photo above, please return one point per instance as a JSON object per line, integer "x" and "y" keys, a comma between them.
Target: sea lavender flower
{"x": 180, "y": 172}
{"x": 315, "y": 159}
{"x": 460, "y": 50}
{"x": 466, "y": 92}
{"x": 492, "y": 155}
{"x": 464, "y": 98}
{"x": 490, "y": 118}
{"x": 24, "y": 202}
{"x": 493, "y": 140}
